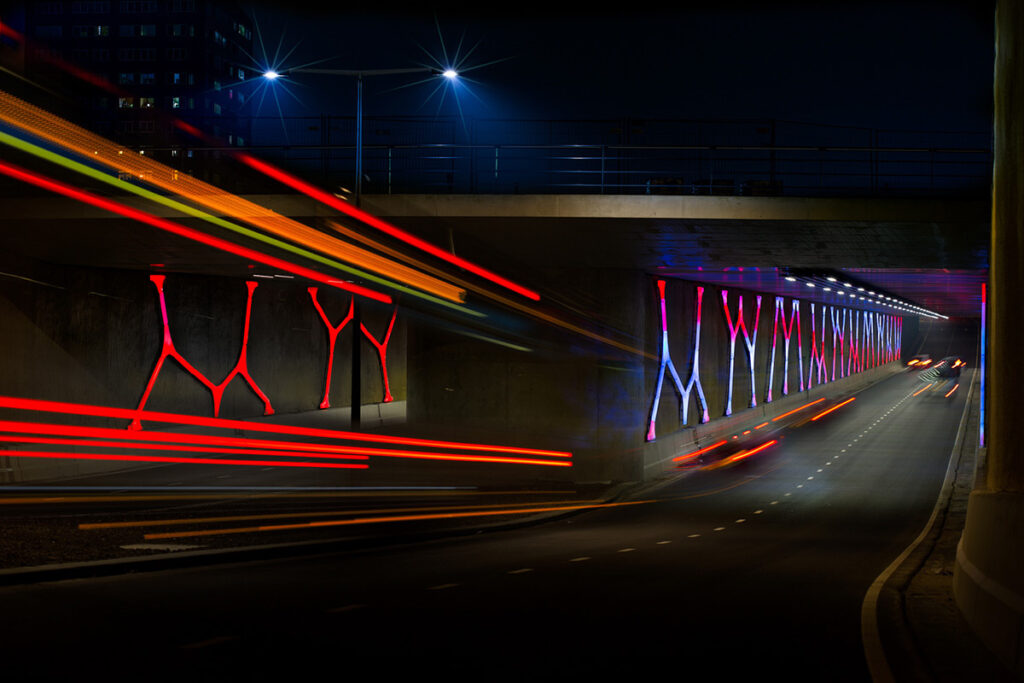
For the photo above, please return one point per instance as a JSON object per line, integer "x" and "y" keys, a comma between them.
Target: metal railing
{"x": 743, "y": 157}
{"x": 618, "y": 169}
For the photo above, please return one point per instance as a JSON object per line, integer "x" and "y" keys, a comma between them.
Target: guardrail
{"x": 631, "y": 169}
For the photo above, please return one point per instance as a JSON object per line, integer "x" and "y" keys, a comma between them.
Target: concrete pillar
{"x": 989, "y": 577}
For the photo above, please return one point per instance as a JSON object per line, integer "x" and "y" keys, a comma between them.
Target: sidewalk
{"x": 924, "y": 635}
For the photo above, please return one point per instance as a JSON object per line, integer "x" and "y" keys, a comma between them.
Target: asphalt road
{"x": 755, "y": 569}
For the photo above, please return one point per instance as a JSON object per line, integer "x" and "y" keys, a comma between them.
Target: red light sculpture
{"x": 332, "y": 337}
{"x": 217, "y": 390}
{"x": 786, "y": 333}
{"x": 666, "y": 360}
{"x": 749, "y": 340}
{"x": 382, "y": 352}
{"x": 817, "y": 351}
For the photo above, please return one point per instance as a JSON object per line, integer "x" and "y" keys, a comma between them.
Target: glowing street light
{"x": 451, "y": 74}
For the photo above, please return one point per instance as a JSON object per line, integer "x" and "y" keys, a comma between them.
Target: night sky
{"x": 895, "y": 65}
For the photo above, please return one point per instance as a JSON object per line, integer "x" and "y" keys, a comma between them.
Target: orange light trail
{"x": 926, "y": 388}
{"x": 182, "y": 231}
{"x": 379, "y": 520}
{"x": 797, "y": 410}
{"x": 836, "y": 407}
{"x": 763, "y": 424}
{"x": 469, "y": 286}
{"x": 197, "y": 421}
{"x": 955, "y": 387}
{"x": 369, "y": 219}
{"x": 328, "y": 513}
{"x": 742, "y": 455}
{"x": 689, "y": 456}
{"x": 97, "y": 149}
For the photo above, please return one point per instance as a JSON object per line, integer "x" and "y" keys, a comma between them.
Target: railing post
{"x": 603, "y": 150}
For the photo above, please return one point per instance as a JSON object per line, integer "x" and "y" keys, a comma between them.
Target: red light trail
{"x": 369, "y": 219}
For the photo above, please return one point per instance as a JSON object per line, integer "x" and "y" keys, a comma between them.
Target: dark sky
{"x": 912, "y": 65}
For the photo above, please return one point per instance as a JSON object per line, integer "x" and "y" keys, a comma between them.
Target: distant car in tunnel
{"x": 920, "y": 361}
{"x": 949, "y": 367}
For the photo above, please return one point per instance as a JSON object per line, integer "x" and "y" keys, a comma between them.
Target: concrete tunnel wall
{"x": 93, "y": 336}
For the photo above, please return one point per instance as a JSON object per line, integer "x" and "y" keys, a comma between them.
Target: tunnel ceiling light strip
{"x": 369, "y": 219}
{"x": 182, "y": 231}
{"x": 868, "y": 296}
{"x": 222, "y": 423}
{"x": 398, "y": 518}
{"x": 100, "y": 150}
{"x": 172, "y": 460}
{"x": 451, "y": 294}
{"x": 835, "y": 407}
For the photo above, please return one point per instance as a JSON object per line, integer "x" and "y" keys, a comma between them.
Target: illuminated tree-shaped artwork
{"x": 168, "y": 350}
{"x": 666, "y": 362}
{"x": 853, "y": 360}
{"x": 332, "y": 340}
{"x": 838, "y": 337}
{"x": 817, "y": 364}
{"x": 749, "y": 340}
{"x": 382, "y": 352}
{"x": 787, "y": 332}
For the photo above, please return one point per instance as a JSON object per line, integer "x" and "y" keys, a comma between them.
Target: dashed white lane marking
{"x": 719, "y": 528}
{"x": 664, "y": 542}
{"x": 627, "y": 550}
{"x": 774, "y": 502}
{"x": 524, "y": 570}
{"x": 828, "y": 463}
{"x": 266, "y": 469}
{"x": 757, "y": 512}
{"x": 842, "y": 450}
{"x": 346, "y": 608}
{"x": 443, "y": 586}
{"x": 694, "y": 536}
{"x": 740, "y": 521}
{"x": 579, "y": 559}
{"x": 799, "y": 486}
{"x": 820, "y": 470}
{"x": 787, "y": 494}
{"x": 809, "y": 478}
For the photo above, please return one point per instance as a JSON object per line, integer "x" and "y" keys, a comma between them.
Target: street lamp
{"x": 271, "y": 75}
{"x": 359, "y": 74}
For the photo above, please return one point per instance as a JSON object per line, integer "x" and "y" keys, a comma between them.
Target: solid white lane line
{"x": 524, "y": 570}
{"x": 579, "y": 559}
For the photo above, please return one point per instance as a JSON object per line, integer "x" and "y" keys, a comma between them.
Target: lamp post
{"x": 359, "y": 74}
{"x": 450, "y": 74}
